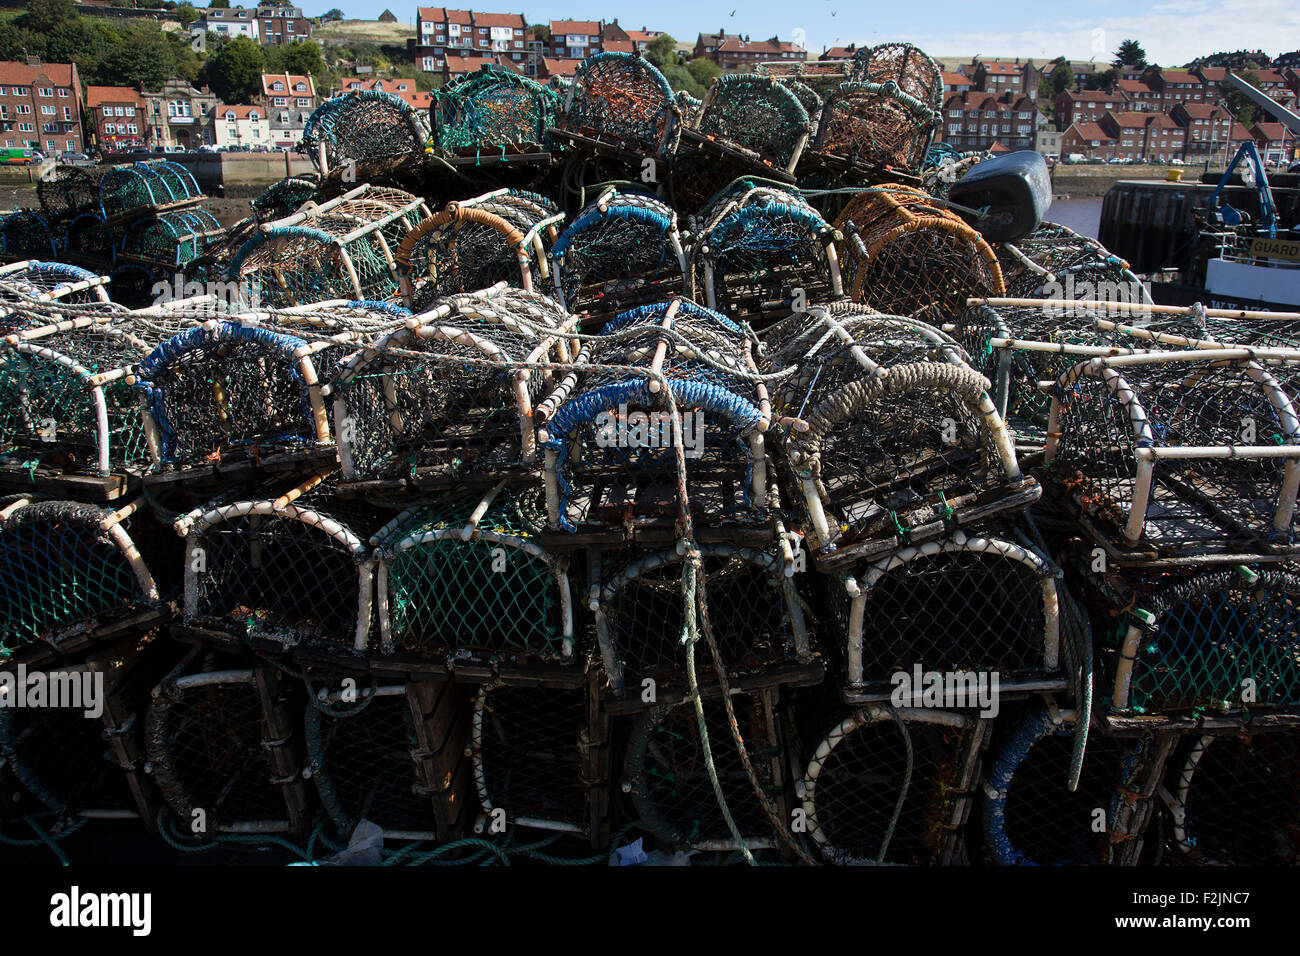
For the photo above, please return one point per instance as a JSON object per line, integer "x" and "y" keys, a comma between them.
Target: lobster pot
{"x": 900, "y": 254}
{"x": 667, "y": 773}
{"x": 755, "y": 614}
{"x": 1031, "y": 817}
{"x": 1018, "y": 347}
{"x": 1218, "y": 640}
{"x": 445, "y": 397}
{"x": 65, "y": 399}
{"x": 621, "y": 102}
{"x": 890, "y": 786}
{"x": 130, "y": 191}
{"x": 66, "y": 192}
{"x": 908, "y": 446}
{"x": 462, "y": 249}
{"x": 398, "y": 758}
{"x": 362, "y": 126}
{"x": 467, "y": 579}
{"x": 89, "y": 239}
{"x": 25, "y": 284}
{"x": 61, "y": 757}
{"x": 229, "y": 388}
{"x": 223, "y": 751}
{"x": 753, "y": 118}
{"x": 874, "y": 125}
{"x": 491, "y": 109}
{"x": 811, "y": 101}
{"x": 68, "y": 570}
{"x": 622, "y": 250}
{"x": 287, "y": 570}
{"x": 530, "y": 752}
{"x": 945, "y": 165}
{"x": 134, "y": 285}
{"x": 761, "y": 248}
{"x": 610, "y": 437}
{"x": 285, "y": 197}
{"x": 171, "y": 239}
{"x": 1182, "y": 453}
{"x": 1236, "y": 799}
{"x": 964, "y": 604}
{"x": 1054, "y": 261}
{"x": 26, "y": 235}
{"x": 910, "y": 68}
{"x": 689, "y": 105}
{"x": 296, "y": 265}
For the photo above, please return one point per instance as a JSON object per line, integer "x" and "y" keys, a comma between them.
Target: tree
{"x": 332, "y": 14}
{"x": 662, "y": 51}
{"x": 1242, "y": 108}
{"x": 679, "y": 78}
{"x": 1130, "y": 53}
{"x": 186, "y": 14}
{"x": 139, "y": 55}
{"x": 218, "y": 4}
{"x": 1062, "y": 78}
{"x": 42, "y": 16}
{"x": 703, "y": 71}
{"x": 541, "y": 31}
{"x": 235, "y": 73}
{"x": 303, "y": 58}
{"x": 1103, "y": 80}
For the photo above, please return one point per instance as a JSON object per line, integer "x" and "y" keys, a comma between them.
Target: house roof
{"x": 642, "y": 36}
{"x": 619, "y": 46}
{"x": 1091, "y": 131}
{"x": 1200, "y": 110}
{"x": 1093, "y": 96}
{"x": 563, "y": 67}
{"x": 1273, "y": 132}
{"x": 95, "y": 95}
{"x": 837, "y": 53}
{"x": 772, "y": 45}
{"x": 21, "y": 74}
{"x": 290, "y": 81}
{"x": 389, "y": 84}
{"x": 515, "y": 20}
{"x": 242, "y": 112}
{"x": 443, "y": 14}
{"x": 1213, "y": 74}
{"x": 589, "y": 27}
{"x": 1001, "y": 67}
{"x": 1133, "y": 86}
{"x": 472, "y": 64}
{"x": 997, "y": 147}
{"x": 1178, "y": 76}
{"x": 956, "y": 79}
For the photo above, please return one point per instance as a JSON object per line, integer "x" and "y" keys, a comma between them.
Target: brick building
{"x": 1208, "y": 126}
{"x": 455, "y": 66}
{"x": 1005, "y": 76}
{"x": 639, "y": 39}
{"x": 975, "y": 120}
{"x": 289, "y": 100}
{"x": 1275, "y": 142}
{"x": 1088, "y": 140}
{"x": 734, "y": 52}
{"x": 1144, "y": 136}
{"x": 1175, "y": 86}
{"x": 282, "y": 25}
{"x": 400, "y": 87}
{"x": 575, "y": 39}
{"x": 1087, "y": 106}
{"x": 40, "y": 106}
{"x": 179, "y": 115}
{"x": 465, "y": 34}
{"x": 117, "y": 117}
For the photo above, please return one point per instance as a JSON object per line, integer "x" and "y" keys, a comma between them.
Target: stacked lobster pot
{"x": 759, "y": 251}
{"x": 656, "y": 469}
{"x": 362, "y": 127}
{"x": 746, "y": 125}
{"x": 940, "y": 610}
{"x": 501, "y": 236}
{"x": 494, "y": 116}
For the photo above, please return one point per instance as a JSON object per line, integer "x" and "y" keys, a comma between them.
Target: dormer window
{"x": 277, "y": 86}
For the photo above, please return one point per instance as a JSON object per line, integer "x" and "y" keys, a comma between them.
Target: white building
{"x": 233, "y": 22}
{"x": 242, "y": 126}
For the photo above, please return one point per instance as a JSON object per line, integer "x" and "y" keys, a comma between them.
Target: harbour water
{"x": 1081, "y": 215}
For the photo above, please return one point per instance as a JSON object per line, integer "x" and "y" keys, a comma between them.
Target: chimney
{"x": 33, "y": 60}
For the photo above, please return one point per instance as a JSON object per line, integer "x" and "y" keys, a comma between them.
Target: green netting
{"x": 282, "y": 198}
{"x": 1218, "y": 640}
{"x": 58, "y": 569}
{"x": 756, "y": 113}
{"x": 491, "y": 109}
{"x": 363, "y": 125}
{"x": 490, "y": 593}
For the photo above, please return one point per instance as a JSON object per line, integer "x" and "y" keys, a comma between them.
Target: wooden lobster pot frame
{"x": 619, "y": 104}
{"x": 1219, "y": 640}
{"x": 465, "y": 248}
{"x": 1032, "y": 816}
{"x": 760, "y": 248}
{"x": 665, "y": 772}
{"x": 67, "y": 396}
{"x": 753, "y": 117}
{"x": 902, "y": 254}
{"x": 1234, "y": 799}
{"x": 450, "y": 396}
{"x": 1053, "y": 256}
{"x": 224, "y": 750}
{"x": 31, "y": 279}
{"x": 467, "y": 579}
{"x": 281, "y": 571}
{"x": 225, "y": 388}
{"x": 873, "y": 126}
{"x": 621, "y": 250}
{"x": 399, "y": 758}
{"x": 861, "y": 774}
{"x": 968, "y": 603}
{"x": 285, "y": 197}
{"x": 71, "y": 575}
{"x": 916, "y": 446}
{"x": 171, "y": 239}
{"x": 537, "y": 217}
{"x": 808, "y": 98}
{"x": 362, "y": 125}
{"x": 492, "y": 109}
{"x": 542, "y": 758}
{"x": 640, "y": 612}
{"x": 610, "y": 441}
{"x": 1171, "y": 452}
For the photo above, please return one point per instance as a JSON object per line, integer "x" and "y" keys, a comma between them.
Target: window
{"x": 300, "y": 87}
{"x": 44, "y": 91}
{"x": 108, "y": 111}
{"x": 230, "y": 116}
{"x": 119, "y": 111}
{"x": 63, "y": 91}
{"x": 257, "y": 132}
{"x": 277, "y": 86}
{"x": 131, "y": 128}
{"x": 24, "y": 108}
{"x": 130, "y": 110}
{"x": 179, "y": 109}
{"x": 280, "y": 101}
{"x": 284, "y": 117}
{"x": 71, "y": 145}
{"x": 954, "y": 127}
{"x": 25, "y": 127}
{"x": 304, "y": 101}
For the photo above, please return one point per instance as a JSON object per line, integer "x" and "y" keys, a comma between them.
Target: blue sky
{"x": 1171, "y": 32}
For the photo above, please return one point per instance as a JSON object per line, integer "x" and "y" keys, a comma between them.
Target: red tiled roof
{"x": 1091, "y": 131}
{"x": 618, "y": 46}
{"x": 956, "y": 79}
{"x": 589, "y": 27}
{"x": 392, "y": 84}
{"x": 1214, "y": 74}
{"x": 837, "y": 53}
{"x": 564, "y": 67}
{"x": 95, "y": 95}
{"x": 1001, "y": 66}
{"x": 1095, "y": 96}
{"x": 1133, "y": 86}
{"x": 1273, "y": 132}
{"x": 1177, "y": 76}
{"x": 997, "y": 147}
{"x": 242, "y": 112}
{"x": 441, "y": 14}
{"x": 290, "y": 80}
{"x": 13, "y": 73}
{"x": 640, "y": 36}
{"x": 514, "y": 20}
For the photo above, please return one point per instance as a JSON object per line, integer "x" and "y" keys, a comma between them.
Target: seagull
{"x": 733, "y": 12}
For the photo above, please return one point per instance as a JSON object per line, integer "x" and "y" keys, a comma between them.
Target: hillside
{"x": 363, "y": 31}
